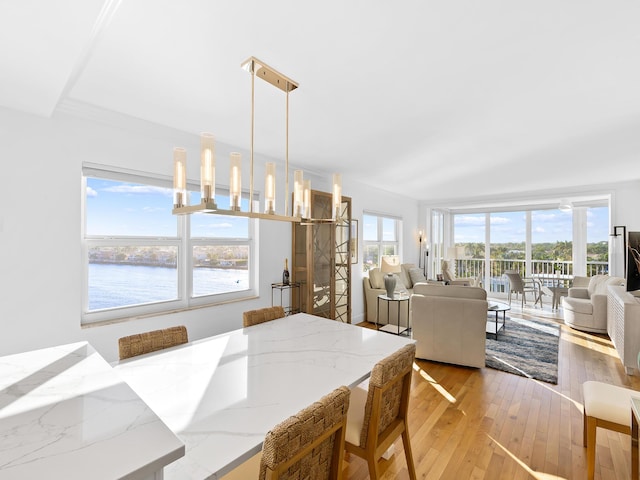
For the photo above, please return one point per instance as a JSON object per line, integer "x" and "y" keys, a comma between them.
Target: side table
{"x": 294, "y": 289}
{"x": 390, "y": 328}
{"x": 497, "y": 307}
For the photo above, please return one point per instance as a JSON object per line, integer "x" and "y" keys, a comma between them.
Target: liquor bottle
{"x": 285, "y": 273}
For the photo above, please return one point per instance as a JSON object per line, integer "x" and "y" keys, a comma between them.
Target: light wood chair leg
{"x": 408, "y": 455}
{"x": 373, "y": 467}
{"x": 591, "y": 447}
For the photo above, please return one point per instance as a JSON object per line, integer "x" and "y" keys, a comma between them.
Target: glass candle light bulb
{"x": 337, "y": 196}
{"x": 207, "y": 168}
{"x": 298, "y": 193}
{"x": 270, "y": 188}
{"x": 235, "y": 181}
{"x": 179, "y": 177}
{"x": 306, "y": 200}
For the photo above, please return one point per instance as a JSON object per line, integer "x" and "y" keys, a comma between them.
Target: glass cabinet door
{"x": 322, "y": 260}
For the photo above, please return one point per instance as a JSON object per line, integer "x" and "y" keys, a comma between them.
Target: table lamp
{"x": 390, "y": 264}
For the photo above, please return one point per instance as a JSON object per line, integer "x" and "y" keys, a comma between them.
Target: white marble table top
{"x": 66, "y": 414}
{"x": 222, "y": 394}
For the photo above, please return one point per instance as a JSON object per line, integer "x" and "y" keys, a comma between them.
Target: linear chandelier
{"x": 301, "y": 211}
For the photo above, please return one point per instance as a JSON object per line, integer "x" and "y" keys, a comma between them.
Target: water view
{"x": 113, "y": 286}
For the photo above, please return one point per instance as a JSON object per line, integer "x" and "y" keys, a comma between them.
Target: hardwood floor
{"x": 468, "y": 423}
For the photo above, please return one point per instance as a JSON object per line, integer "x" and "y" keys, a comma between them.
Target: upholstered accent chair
{"x": 448, "y": 276}
{"x": 449, "y": 323}
{"x": 586, "y": 308}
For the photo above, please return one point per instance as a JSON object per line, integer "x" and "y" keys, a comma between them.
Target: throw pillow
{"x": 400, "y": 286}
{"x": 416, "y": 276}
{"x": 404, "y": 274}
{"x": 375, "y": 278}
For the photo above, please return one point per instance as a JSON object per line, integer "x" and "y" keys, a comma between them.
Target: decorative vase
{"x": 390, "y": 284}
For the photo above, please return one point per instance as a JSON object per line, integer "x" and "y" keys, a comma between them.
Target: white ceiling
{"x": 429, "y": 99}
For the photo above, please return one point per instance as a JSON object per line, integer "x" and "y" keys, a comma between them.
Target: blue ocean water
{"x": 125, "y": 285}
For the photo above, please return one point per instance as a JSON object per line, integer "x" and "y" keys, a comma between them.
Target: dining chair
{"x": 146, "y": 342}
{"x": 378, "y": 414}
{"x": 261, "y": 315}
{"x": 309, "y": 444}
{"x": 520, "y": 285}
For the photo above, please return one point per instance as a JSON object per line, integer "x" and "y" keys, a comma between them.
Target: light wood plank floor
{"x": 470, "y": 423}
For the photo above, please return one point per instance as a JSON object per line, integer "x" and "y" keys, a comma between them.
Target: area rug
{"x": 528, "y": 348}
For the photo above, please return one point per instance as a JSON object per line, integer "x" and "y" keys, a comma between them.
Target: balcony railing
{"x": 472, "y": 268}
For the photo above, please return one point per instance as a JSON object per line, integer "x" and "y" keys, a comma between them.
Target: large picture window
{"x": 139, "y": 258}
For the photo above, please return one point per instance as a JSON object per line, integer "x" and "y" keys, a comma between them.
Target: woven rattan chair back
{"x": 254, "y": 317}
{"x": 385, "y": 410}
{"x": 310, "y": 444}
{"x": 151, "y": 341}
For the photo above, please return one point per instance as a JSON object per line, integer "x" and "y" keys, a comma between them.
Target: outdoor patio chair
{"x": 520, "y": 285}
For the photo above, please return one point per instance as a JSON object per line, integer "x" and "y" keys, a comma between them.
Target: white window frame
{"x": 183, "y": 241}
{"x": 380, "y": 242}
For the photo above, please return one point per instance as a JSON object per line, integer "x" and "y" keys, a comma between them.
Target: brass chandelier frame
{"x": 257, "y": 68}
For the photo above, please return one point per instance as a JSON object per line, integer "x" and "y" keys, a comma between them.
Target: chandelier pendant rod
{"x": 253, "y": 81}
{"x": 286, "y": 157}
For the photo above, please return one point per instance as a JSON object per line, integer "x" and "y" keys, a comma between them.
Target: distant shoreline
{"x": 164, "y": 265}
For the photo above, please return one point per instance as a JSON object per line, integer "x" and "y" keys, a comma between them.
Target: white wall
{"x": 364, "y": 198}
{"x": 40, "y": 227}
{"x": 40, "y": 215}
{"x": 625, "y": 205}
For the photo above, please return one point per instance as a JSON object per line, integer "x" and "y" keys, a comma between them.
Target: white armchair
{"x": 586, "y": 308}
{"x": 449, "y": 323}
{"x": 449, "y": 277}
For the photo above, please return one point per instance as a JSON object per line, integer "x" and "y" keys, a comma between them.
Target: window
{"x": 534, "y": 241}
{"x": 470, "y": 233}
{"x": 597, "y": 225}
{"x": 380, "y": 237}
{"x": 139, "y": 258}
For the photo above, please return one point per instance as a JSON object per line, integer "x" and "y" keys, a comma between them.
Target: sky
{"x": 548, "y": 226}
{"x": 120, "y": 208}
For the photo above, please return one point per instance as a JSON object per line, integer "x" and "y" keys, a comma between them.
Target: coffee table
{"x": 497, "y": 326}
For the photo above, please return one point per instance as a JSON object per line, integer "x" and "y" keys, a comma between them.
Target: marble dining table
{"x": 66, "y": 414}
{"x": 222, "y": 394}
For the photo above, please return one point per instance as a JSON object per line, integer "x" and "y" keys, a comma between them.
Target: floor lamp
{"x": 615, "y": 253}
